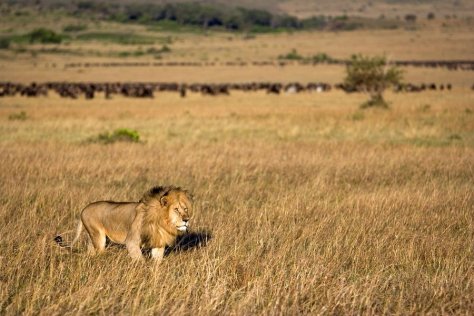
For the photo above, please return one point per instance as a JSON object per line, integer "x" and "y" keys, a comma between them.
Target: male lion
{"x": 154, "y": 222}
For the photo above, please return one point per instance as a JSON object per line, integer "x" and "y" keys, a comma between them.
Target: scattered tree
{"x": 371, "y": 75}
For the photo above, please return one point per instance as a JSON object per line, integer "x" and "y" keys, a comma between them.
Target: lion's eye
{"x": 176, "y": 210}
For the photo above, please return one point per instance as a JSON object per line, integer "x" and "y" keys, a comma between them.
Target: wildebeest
{"x": 90, "y": 90}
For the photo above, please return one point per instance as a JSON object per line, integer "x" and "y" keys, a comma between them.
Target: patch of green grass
{"x": 50, "y": 50}
{"x": 73, "y": 28}
{"x": 17, "y": 39}
{"x": 45, "y": 36}
{"x": 150, "y": 51}
{"x": 118, "y": 38}
{"x": 451, "y": 140}
{"x": 39, "y": 35}
{"x": 358, "y": 116}
{"x": 119, "y": 135}
{"x": 136, "y": 53}
{"x": 21, "y": 116}
{"x": 173, "y": 26}
{"x": 317, "y": 58}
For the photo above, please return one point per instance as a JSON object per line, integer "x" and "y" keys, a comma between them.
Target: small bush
{"x": 44, "y": 36}
{"x": 165, "y": 49}
{"x": 5, "y": 43}
{"x": 136, "y": 53}
{"x": 293, "y": 55}
{"x": 119, "y": 135}
{"x": 18, "y": 116}
{"x": 455, "y": 137}
{"x": 321, "y": 58}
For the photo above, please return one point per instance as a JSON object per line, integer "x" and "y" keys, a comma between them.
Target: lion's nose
{"x": 185, "y": 220}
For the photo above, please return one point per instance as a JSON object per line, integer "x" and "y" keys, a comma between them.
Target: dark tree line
{"x": 199, "y": 15}
{"x": 193, "y": 14}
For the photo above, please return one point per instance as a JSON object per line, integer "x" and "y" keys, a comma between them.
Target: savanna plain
{"x": 305, "y": 204}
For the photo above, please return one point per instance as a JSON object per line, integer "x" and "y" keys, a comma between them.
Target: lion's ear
{"x": 164, "y": 201}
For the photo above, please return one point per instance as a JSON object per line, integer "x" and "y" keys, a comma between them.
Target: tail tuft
{"x": 59, "y": 240}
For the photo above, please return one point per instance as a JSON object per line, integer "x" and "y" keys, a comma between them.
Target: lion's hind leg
{"x": 94, "y": 229}
{"x": 96, "y": 240}
{"x": 90, "y": 246}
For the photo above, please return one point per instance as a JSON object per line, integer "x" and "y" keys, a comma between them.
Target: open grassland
{"x": 305, "y": 204}
{"x": 102, "y": 42}
{"x": 312, "y": 206}
{"x": 305, "y": 8}
{"x": 433, "y": 42}
{"x": 48, "y": 62}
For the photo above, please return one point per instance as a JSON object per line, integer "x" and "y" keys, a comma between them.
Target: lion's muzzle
{"x": 183, "y": 227}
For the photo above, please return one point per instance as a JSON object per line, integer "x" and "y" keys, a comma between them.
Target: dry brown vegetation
{"x": 312, "y": 206}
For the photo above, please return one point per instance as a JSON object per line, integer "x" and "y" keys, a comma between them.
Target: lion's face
{"x": 180, "y": 210}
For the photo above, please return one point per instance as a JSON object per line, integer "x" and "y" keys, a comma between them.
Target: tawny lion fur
{"x": 154, "y": 222}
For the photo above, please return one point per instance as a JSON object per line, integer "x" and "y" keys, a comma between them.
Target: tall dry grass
{"x": 312, "y": 206}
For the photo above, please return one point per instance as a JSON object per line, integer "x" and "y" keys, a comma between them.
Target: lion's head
{"x": 169, "y": 207}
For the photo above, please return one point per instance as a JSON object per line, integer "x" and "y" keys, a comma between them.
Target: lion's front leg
{"x": 133, "y": 240}
{"x": 134, "y": 250}
{"x": 157, "y": 254}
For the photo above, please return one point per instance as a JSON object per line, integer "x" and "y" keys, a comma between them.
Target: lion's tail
{"x": 59, "y": 240}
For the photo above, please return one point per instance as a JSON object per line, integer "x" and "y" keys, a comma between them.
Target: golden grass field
{"x": 305, "y": 204}
{"x": 312, "y": 206}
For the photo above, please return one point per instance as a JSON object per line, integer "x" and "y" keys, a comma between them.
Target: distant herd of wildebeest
{"x": 89, "y": 90}
{"x": 466, "y": 65}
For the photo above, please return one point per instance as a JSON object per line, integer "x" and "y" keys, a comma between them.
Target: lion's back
{"x": 114, "y": 217}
